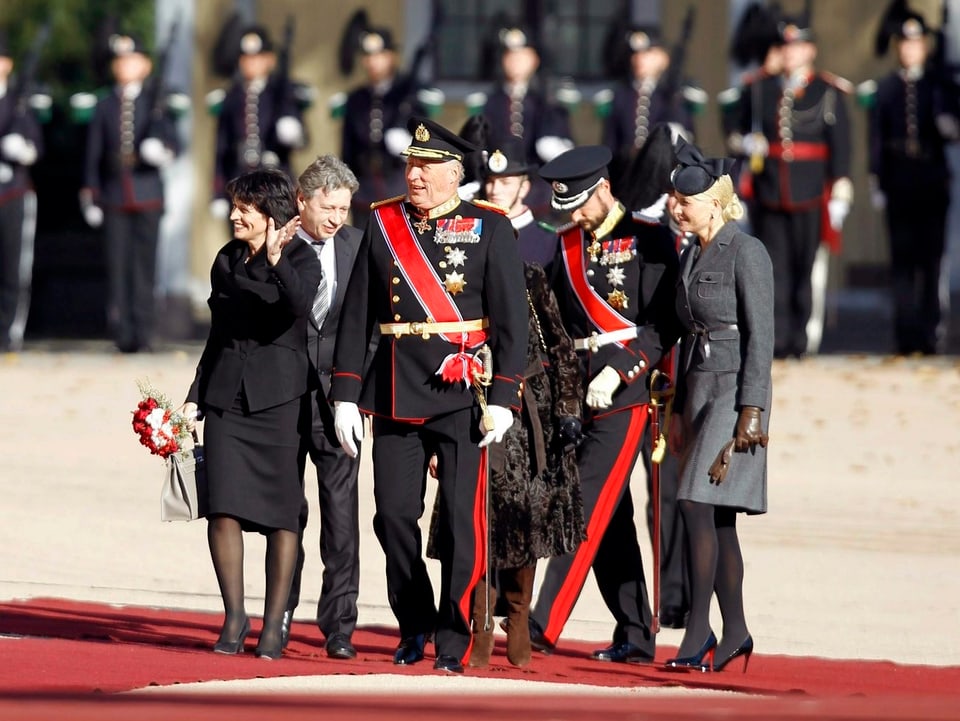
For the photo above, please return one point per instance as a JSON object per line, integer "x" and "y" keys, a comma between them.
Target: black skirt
{"x": 252, "y": 467}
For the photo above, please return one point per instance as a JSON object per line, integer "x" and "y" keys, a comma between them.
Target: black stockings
{"x": 716, "y": 565}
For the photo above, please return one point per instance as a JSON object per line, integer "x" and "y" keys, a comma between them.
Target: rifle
{"x": 408, "y": 82}
{"x": 678, "y": 54}
{"x": 27, "y": 73}
{"x": 283, "y": 93}
{"x": 158, "y": 85}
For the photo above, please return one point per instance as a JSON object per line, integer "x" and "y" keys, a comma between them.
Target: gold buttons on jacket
{"x": 396, "y": 299}
{"x": 396, "y": 281}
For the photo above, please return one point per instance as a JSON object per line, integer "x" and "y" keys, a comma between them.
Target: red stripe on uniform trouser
{"x": 800, "y": 151}
{"x": 479, "y": 547}
{"x": 596, "y": 526}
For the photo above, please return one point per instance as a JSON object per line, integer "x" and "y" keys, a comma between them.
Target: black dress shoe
{"x": 339, "y": 646}
{"x": 450, "y": 664}
{"x": 623, "y": 652}
{"x": 285, "y": 627}
{"x": 673, "y": 617}
{"x": 537, "y": 640}
{"x": 409, "y": 651}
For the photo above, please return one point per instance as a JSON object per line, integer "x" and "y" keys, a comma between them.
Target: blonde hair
{"x": 722, "y": 191}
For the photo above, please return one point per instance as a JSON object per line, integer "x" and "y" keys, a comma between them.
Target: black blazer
{"x": 258, "y": 329}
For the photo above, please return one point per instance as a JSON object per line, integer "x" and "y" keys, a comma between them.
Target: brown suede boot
{"x": 482, "y": 625}
{"x": 517, "y": 587}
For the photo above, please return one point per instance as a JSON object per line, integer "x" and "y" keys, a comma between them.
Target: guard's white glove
{"x": 397, "y": 140}
{"x": 154, "y": 152}
{"x": 948, "y": 126}
{"x": 349, "y": 426}
{"x": 17, "y": 148}
{"x": 502, "y": 420}
{"x": 837, "y": 209}
{"x": 601, "y": 388}
{"x": 220, "y": 208}
{"x": 289, "y": 131}
{"x": 550, "y": 146}
{"x": 756, "y": 144}
{"x": 93, "y": 215}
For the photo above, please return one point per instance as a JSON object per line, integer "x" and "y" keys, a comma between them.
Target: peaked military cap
{"x": 575, "y": 174}
{"x": 255, "y": 40}
{"x": 507, "y": 157}
{"x": 796, "y": 30}
{"x": 432, "y": 141}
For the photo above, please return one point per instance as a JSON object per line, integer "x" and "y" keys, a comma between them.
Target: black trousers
{"x": 917, "y": 230}
{"x": 401, "y": 452}
{"x": 605, "y": 459}
{"x": 131, "y": 239}
{"x": 339, "y": 522}
{"x": 791, "y": 239}
{"x": 15, "y": 275}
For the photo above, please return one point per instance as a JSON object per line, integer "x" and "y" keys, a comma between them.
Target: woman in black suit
{"x": 249, "y": 382}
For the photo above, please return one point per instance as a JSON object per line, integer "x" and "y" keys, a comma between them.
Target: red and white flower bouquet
{"x": 160, "y": 428}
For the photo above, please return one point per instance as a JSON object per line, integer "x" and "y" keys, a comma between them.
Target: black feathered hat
{"x": 757, "y": 31}
{"x": 900, "y": 22}
{"x": 647, "y": 177}
{"x": 507, "y": 157}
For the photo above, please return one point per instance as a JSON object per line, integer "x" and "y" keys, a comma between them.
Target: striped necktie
{"x": 321, "y": 303}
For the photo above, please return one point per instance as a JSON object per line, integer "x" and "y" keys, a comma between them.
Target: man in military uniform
{"x": 913, "y": 116}
{"x": 130, "y": 138}
{"x": 803, "y": 192}
{"x": 21, "y": 144}
{"x": 441, "y": 279}
{"x": 644, "y": 100}
{"x": 374, "y": 130}
{"x": 260, "y": 121}
{"x": 614, "y": 279}
{"x": 507, "y": 184}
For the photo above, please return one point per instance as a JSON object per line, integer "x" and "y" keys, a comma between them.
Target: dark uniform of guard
{"x": 21, "y": 144}
{"x": 128, "y": 142}
{"x": 374, "y": 129}
{"x": 615, "y": 287}
{"x": 913, "y": 115}
{"x": 804, "y": 122}
{"x": 260, "y": 120}
{"x": 440, "y": 283}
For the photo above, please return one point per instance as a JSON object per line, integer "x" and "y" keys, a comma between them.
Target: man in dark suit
{"x": 21, "y": 144}
{"x": 441, "y": 279}
{"x": 127, "y": 145}
{"x": 324, "y": 192}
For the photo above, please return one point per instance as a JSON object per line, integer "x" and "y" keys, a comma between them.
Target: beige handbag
{"x": 184, "y": 493}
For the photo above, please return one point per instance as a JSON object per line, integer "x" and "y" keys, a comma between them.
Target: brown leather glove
{"x": 749, "y": 431}
{"x": 718, "y": 470}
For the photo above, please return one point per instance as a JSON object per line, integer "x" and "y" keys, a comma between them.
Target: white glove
{"x": 154, "y": 152}
{"x": 220, "y": 208}
{"x": 550, "y": 146}
{"x": 948, "y": 126}
{"x": 349, "y": 426}
{"x": 837, "y": 210}
{"x": 15, "y": 147}
{"x": 93, "y": 215}
{"x": 397, "y": 140}
{"x": 502, "y": 420}
{"x": 289, "y": 132}
{"x": 755, "y": 144}
{"x": 601, "y": 388}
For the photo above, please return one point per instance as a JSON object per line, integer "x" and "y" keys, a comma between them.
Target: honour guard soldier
{"x": 803, "y": 192}
{"x": 913, "y": 116}
{"x": 131, "y": 137}
{"x": 259, "y": 119}
{"x": 21, "y": 144}
{"x": 441, "y": 279}
{"x": 615, "y": 280}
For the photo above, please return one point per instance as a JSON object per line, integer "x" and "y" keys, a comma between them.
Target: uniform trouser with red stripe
{"x": 605, "y": 460}
{"x": 401, "y": 452}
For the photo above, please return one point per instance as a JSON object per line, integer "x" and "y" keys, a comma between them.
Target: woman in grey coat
{"x": 725, "y": 306}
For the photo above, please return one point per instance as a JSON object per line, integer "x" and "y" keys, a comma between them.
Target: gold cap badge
{"x": 497, "y": 162}
{"x": 421, "y": 134}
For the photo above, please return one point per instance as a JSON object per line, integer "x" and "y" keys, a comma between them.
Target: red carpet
{"x": 83, "y": 648}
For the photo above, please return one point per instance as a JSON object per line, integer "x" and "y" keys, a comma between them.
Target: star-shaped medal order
{"x": 615, "y": 276}
{"x": 454, "y": 283}
{"x": 618, "y": 299}
{"x": 422, "y": 225}
{"x": 456, "y": 257}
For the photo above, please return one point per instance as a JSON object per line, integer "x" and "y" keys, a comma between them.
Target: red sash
{"x": 429, "y": 291}
{"x": 598, "y": 311}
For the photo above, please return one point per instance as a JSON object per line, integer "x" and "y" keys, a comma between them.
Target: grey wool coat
{"x": 725, "y": 306}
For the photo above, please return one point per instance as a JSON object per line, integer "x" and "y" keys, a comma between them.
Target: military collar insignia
{"x": 613, "y": 217}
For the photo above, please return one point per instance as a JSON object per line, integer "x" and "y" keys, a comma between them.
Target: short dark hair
{"x": 270, "y": 191}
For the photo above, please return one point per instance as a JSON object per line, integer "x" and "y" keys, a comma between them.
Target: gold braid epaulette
{"x": 489, "y": 206}
{"x": 395, "y": 199}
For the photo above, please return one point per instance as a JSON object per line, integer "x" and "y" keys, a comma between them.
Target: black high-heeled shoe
{"x": 696, "y": 661}
{"x": 236, "y": 645}
{"x": 270, "y": 646}
{"x": 745, "y": 649}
